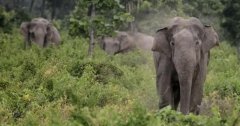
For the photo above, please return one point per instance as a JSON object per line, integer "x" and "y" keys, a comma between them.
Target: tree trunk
{"x": 91, "y": 14}
{"x": 43, "y": 8}
{"x": 31, "y": 6}
{"x": 138, "y": 5}
{"x": 14, "y": 4}
{"x": 53, "y": 9}
{"x": 129, "y": 10}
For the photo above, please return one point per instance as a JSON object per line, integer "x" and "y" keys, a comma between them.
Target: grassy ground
{"x": 62, "y": 86}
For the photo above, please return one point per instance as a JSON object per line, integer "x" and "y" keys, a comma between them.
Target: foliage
{"x": 231, "y": 16}
{"x": 203, "y": 7}
{"x": 5, "y": 20}
{"x": 10, "y": 19}
{"x": 109, "y": 16}
{"x": 20, "y": 16}
{"x": 103, "y": 71}
{"x": 61, "y": 86}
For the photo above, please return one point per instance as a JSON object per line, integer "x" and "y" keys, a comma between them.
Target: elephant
{"x": 181, "y": 53}
{"x": 40, "y": 31}
{"x": 125, "y": 42}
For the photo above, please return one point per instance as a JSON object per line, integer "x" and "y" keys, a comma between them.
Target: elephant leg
{"x": 45, "y": 42}
{"x": 163, "y": 81}
{"x": 165, "y": 91}
{"x": 197, "y": 87}
{"x": 27, "y": 41}
{"x": 29, "y": 44}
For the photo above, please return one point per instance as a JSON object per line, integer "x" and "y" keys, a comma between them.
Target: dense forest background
{"x": 134, "y": 15}
{"x": 64, "y": 86}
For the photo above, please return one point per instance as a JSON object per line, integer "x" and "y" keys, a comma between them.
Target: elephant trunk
{"x": 185, "y": 64}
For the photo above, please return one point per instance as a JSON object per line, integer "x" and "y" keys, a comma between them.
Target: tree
{"x": 129, "y": 6}
{"x": 91, "y": 14}
{"x": 6, "y": 20}
{"x": 31, "y": 6}
{"x": 94, "y": 18}
{"x": 54, "y": 6}
{"x": 42, "y": 8}
{"x": 203, "y": 7}
{"x": 231, "y": 22}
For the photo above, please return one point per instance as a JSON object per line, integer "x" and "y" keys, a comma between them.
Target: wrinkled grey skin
{"x": 124, "y": 42}
{"x": 40, "y": 31}
{"x": 181, "y": 55}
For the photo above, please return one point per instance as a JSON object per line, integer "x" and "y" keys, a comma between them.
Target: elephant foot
{"x": 196, "y": 110}
{"x": 163, "y": 104}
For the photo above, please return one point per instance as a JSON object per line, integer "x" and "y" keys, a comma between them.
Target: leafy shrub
{"x": 61, "y": 86}
{"x": 28, "y": 70}
{"x": 109, "y": 15}
{"x": 3, "y": 84}
{"x": 5, "y": 20}
{"x": 20, "y": 16}
{"x": 103, "y": 72}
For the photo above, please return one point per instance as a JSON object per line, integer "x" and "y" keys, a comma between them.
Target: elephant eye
{"x": 198, "y": 42}
{"x": 115, "y": 44}
{"x": 172, "y": 43}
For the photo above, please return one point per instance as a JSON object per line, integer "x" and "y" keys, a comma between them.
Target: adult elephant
{"x": 40, "y": 31}
{"x": 181, "y": 57}
{"x": 126, "y": 41}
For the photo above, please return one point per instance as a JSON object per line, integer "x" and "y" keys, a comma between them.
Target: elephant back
{"x": 41, "y": 20}
{"x": 143, "y": 41}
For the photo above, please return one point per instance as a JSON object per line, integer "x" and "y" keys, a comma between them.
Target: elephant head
{"x": 186, "y": 42}
{"x": 40, "y": 31}
{"x": 117, "y": 44}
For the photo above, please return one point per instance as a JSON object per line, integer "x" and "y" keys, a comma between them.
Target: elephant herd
{"x": 181, "y": 53}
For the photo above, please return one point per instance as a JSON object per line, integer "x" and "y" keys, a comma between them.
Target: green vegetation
{"x": 61, "y": 86}
{"x": 108, "y": 15}
{"x": 231, "y": 22}
{"x": 5, "y": 20}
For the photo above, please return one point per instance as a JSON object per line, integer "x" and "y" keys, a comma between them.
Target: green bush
{"x": 62, "y": 86}
{"x": 5, "y": 20}
{"x": 102, "y": 71}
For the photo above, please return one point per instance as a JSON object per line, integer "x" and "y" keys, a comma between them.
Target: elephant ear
{"x": 161, "y": 43}
{"x": 48, "y": 35}
{"x": 25, "y": 31}
{"x": 49, "y": 30}
{"x": 24, "y": 28}
{"x": 53, "y": 34}
{"x": 124, "y": 43}
{"x": 210, "y": 39}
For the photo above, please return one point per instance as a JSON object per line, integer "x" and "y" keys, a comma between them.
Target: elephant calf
{"x": 40, "y": 31}
{"x": 124, "y": 42}
{"x": 181, "y": 57}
